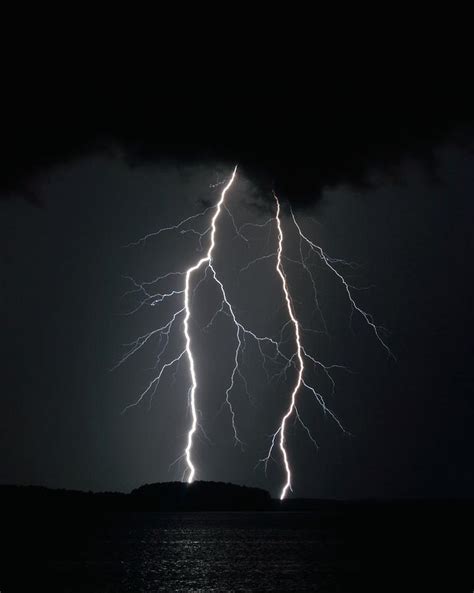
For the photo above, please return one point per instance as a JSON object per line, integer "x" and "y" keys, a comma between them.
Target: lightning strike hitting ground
{"x": 192, "y": 394}
{"x": 299, "y": 353}
{"x": 151, "y": 297}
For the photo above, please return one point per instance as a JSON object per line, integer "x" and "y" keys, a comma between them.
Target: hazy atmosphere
{"x": 63, "y": 275}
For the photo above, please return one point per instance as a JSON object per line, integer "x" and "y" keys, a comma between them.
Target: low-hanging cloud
{"x": 298, "y": 147}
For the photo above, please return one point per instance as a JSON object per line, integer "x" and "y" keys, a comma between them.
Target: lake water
{"x": 212, "y": 552}
{"x": 344, "y": 552}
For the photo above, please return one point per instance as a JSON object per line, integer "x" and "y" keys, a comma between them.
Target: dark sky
{"x": 62, "y": 280}
{"x": 379, "y": 171}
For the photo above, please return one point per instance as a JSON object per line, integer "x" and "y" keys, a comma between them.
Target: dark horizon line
{"x": 301, "y": 499}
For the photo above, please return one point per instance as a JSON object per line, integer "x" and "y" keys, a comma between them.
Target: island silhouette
{"x": 68, "y": 540}
{"x": 162, "y": 496}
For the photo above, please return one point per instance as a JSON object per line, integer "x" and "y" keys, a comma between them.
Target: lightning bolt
{"x": 207, "y": 260}
{"x": 299, "y": 353}
{"x": 298, "y": 359}
{"x": 150, "y": 297}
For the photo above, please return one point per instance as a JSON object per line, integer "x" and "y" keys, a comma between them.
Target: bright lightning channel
{"x": 296, "y": 360}
{"x": 299, "y": 355}
{"x": 153, "y": 298}
{"x": 192, "y": 370}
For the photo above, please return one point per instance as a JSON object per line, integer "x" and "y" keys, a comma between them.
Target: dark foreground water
{"x": 220, "y": 552}
{"x": 354, "y": 550}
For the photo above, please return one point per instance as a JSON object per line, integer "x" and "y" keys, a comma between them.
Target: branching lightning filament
{"x": 270, "y": 348}
{"x": 299, "y": 353}
{"x": 208, "y": 262}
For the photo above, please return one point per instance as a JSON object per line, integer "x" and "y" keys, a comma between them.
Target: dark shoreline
{"x": 206, "y": 497}
{"x": 166, "y": 496}
{"x": 75, "y": 541}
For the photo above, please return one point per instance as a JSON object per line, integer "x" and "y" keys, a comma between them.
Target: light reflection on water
{"x": 219, "y": 552}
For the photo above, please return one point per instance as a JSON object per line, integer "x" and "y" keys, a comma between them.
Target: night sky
{"x": 402, "y": 210}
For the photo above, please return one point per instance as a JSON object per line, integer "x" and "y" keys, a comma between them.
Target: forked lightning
{"x": 270, "y": 348}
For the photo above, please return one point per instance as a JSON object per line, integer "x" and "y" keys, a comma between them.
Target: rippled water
{"x": 215, "y": 552}
{"x": 349, "y": 549}
{"x": 354, "y": 548}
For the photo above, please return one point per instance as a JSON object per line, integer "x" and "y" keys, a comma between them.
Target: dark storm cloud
{"x": 297, "y": 146}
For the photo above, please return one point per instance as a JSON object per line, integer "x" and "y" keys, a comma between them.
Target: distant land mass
{"x": 207, "y": 496}
{"x": 67, "y": 540}
{"x": 201, "y": 496}
{"x": 165, "y": 496}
